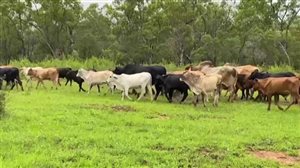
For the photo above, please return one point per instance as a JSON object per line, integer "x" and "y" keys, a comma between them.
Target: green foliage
{"x": 260, "y": 32}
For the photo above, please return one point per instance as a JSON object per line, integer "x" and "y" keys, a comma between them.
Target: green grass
{"x": 65, "y": 128}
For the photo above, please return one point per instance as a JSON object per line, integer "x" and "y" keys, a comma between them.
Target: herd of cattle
{"x": 203, "y": 80}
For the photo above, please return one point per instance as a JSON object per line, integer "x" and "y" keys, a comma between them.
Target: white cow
{"x": 124, "y": 82}
{"x": 94, "y": 78}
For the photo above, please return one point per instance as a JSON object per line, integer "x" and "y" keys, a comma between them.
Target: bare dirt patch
{"x": 280, "y": 157}
{"x": 123, "y": 108}
{"x": 159, "y": 116}
{"x": 115, "y": 108}
{"x": 212, "y": 152}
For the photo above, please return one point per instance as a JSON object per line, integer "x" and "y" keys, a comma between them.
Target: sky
{"x": 86, "y": 3}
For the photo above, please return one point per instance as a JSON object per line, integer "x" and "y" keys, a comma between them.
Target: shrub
{"x": 281, "y": 68}
{"x": 93, "y": 62}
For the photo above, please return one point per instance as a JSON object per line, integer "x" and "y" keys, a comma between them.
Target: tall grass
{"x": 93, "y": 62}
{"x": 104, "y": 64}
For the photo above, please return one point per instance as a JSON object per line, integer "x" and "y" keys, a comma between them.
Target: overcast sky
{"x": 86, "y": 3}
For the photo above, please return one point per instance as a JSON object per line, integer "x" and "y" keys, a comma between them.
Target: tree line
{"x": 264, "y": 32}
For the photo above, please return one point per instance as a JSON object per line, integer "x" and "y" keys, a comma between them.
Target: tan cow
{"x": 229, "y": 77}
{"x": 201, "y": 84}
{"x": 95, "y": 78}
{"x": 228, "y": 73}
{"x": 24, "y": 71}
{"x": 44, "y": 74}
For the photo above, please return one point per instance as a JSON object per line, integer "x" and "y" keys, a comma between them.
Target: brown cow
{"x": 201, "y": 84}
{"x": 279, "y": 86}
{"x": 44, "y": 74}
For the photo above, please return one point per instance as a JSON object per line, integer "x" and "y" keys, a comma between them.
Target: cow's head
{"x": 112, "y": 78}
{"x": 254, "y": 75}
{"x": 80, "y": 72}
{"x": 118, "y": 70}
{"x": 30, "y": 71}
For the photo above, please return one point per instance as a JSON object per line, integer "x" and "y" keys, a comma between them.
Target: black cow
{"x": 170, "y": 83}
{"x": 136, "y": 68}
{"x": 62, "y": 72}
{"x": 71, "y": 76}
{"x": 11, "y": 76}
{"x": 263, "y": 75}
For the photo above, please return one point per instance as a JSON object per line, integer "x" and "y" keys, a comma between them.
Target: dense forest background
{"x": 263, "y": 32}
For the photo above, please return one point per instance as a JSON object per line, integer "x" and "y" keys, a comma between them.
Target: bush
{"x": 281, "y": 68}
{"x": 2, "y": 104}
{"x": 93, "y": 62}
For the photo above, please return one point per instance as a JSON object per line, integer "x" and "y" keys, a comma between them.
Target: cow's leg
{"x": 126, "y": 93}
{"x": 67, "y": 81}
{"x": 98, "y": 86}
{"x": 42, "y": 82}
{"x": 91, "y": 86}
{"x": 235, "y": 92}
{"x": 12, "y": 85}
{"x": 231, "y": 90}
{"x": 185, "y": 94}
{"x": 203, "y": 95}
{"x": 143, "y": 91}
{"x": 123, "y": 95}
{"x": 258, "y": 97}
{"x": 247, "y": 93}
{"x": 295, "y": 96}
{"x": 171, "y": 91}
{"x": 54, "y": 81}
{"x": 196, "y": 100}
{"x": 216, "y": 98}
{"x": 269, "y": 97}
{"x": 20, "y": 83}
{"x": 276, "y": 99}
{"x": 293, "y": 102}
{"x": 149, "y": 87}
{"x": 158, "y": 91}
{"x": 38, "y": 83}
{"x": 58, "y": 82}
{"x": 243, "y": 94}
{"x": 167, "y": 90}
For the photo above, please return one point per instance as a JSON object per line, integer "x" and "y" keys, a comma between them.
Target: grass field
{"x": 65, "y": 128}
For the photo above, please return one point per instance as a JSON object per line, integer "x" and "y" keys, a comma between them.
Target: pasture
{"x": 65, "y": 128}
